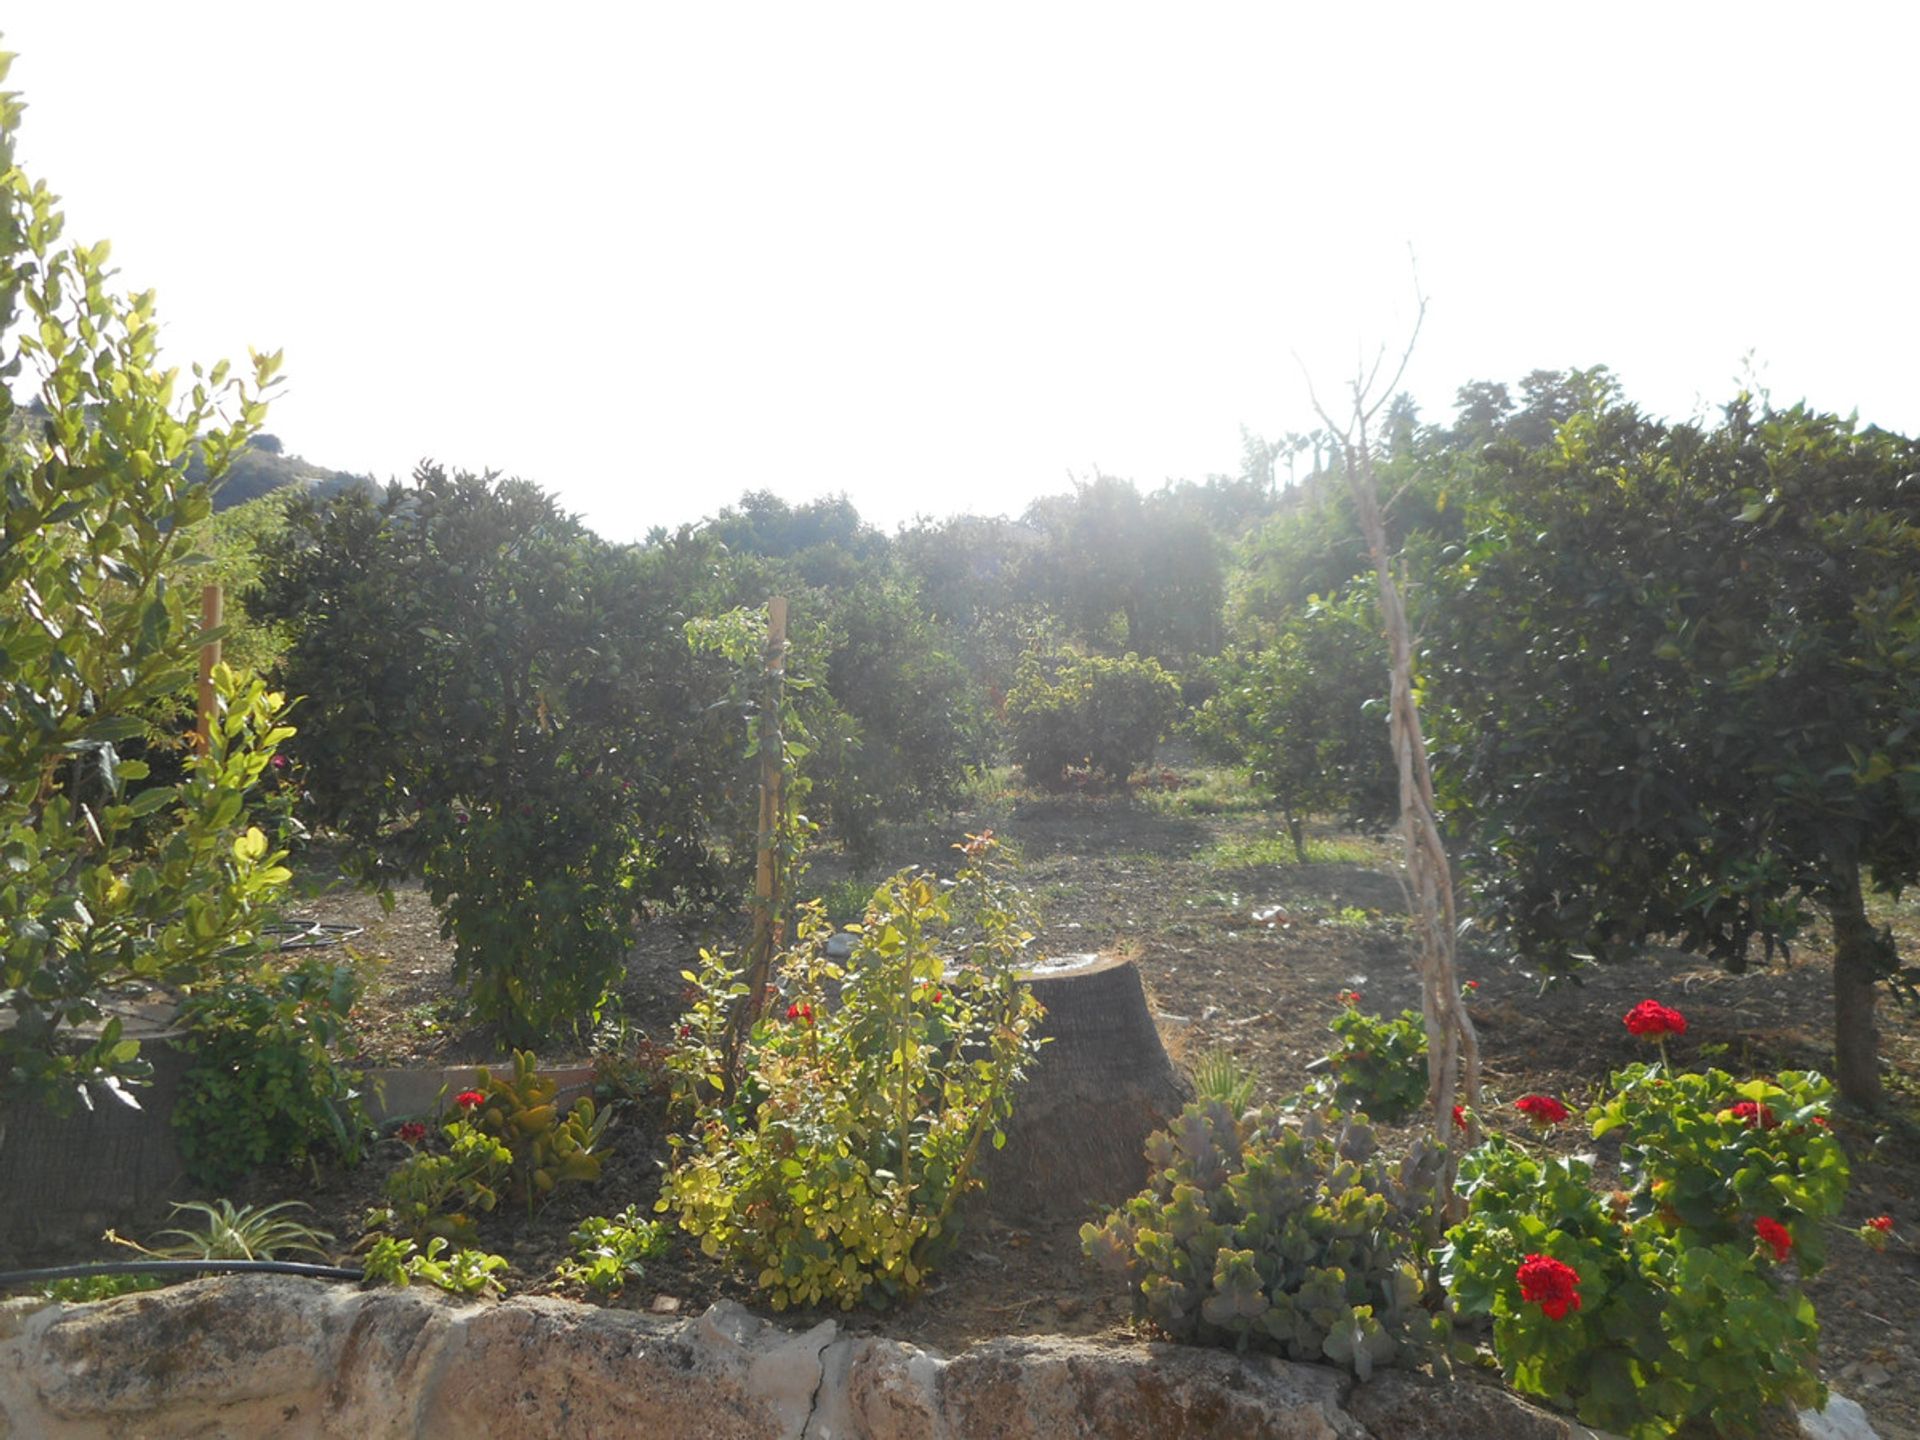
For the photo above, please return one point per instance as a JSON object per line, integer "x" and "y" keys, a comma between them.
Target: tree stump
{"x": 1101, "y": 1085}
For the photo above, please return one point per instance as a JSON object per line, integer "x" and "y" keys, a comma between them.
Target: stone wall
{"x": 275, "y": 1355}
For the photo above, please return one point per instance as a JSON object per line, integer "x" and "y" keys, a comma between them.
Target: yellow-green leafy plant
{"x": 550, "y": 1146}
{"x": 459, "y": 1270}
{"x": 833, "y": 1170}
{"x": 607, "y": 1252}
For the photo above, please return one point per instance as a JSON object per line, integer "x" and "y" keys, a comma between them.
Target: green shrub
{"x": 85, "y": 1289}
{"x": 245, "y": 1232}
{"x": 441, "y": 1194}
{"x": 499, "y": 702}
{"x": 1380, "y": 1065}
{"x": 607, "y": 1252}
{"x": 107, "y": 879}
{"x": 1280, "y": 1232}
{"x": 1305, "y": 714}
{"x": 508, "y": 1137}
{"x": 458, "y": 1270}
{"x": 1086, "y": 712}
{"x": 266, "y": 1085}
{"x": 1218, "y": 1075}
{"x": 834, "y": 1171}
{"x": 1685, "y": 1311}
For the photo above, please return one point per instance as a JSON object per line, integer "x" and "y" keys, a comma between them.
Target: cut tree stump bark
{"x": 1101, "y": 1085}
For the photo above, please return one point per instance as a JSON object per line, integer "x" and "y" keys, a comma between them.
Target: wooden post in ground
{"x": 211, "y": 608}
{"x": 768, "y": 870}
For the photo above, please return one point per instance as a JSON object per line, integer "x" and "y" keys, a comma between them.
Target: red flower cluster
{"x": 1550, "y": 1285}
{"x": 1650, "y": 1017}
{"x": 1348, "y": 997}
{"x": 469, "y": 1099}
{"x": 1541, "y": 1109}
{"x": 1882, "y": 1223}
{"x": 803, "y": 1013}
{"x": 1459, "y": 1117}
{"x": 1758, "y": 1117}
{"x": 1775, "y": 1234}
{"x": 413, "y": 1132}
{"x": 1473, "y": 984}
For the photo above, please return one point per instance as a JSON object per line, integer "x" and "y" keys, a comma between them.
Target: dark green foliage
{"x": 267, "y": 1083}
{"x": 910, "y": 725}
{"x": 501, "y": 703}
{"x": 267, "y": 1086}
{"x": 1682, "y": 670}
{"x": 1380, "y": 1065}
{"x": 1123, "y": 574}
{"x": 1090, "y": 716}
{"x": 1282, "y": 1232}
{"x": 1306, "y": 714}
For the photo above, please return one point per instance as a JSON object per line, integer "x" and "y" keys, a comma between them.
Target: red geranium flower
{"x": 1775, "y": 1234}
{"x": 413, "y": 1132}
{"x": 1882, "y": 1223}
{"x": 800, "y": 1012}
{"x": 1541, "y": 1109}
{"x": 1547, "y": 1283}
{"x": 1459, "y": 1117}
{"x": 1757, "y": 1116}
{"x": 1650, "y": 1017}
{"x": 469, "y": 1099}
{"x": 1473, "y": 984}
{"x": 1348, "y": 997}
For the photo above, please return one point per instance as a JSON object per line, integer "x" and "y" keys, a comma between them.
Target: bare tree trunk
{"x": 1857, "y": 951}
{"x": 1453, "y": 1047}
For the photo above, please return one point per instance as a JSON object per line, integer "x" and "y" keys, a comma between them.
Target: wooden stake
{"x": 768, "y": 872}
{"x": 211, "y": 607}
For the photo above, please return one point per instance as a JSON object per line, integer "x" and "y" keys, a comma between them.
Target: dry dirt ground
{"x": 1240, "y": 948}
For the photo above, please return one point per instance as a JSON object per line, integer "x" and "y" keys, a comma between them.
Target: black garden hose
{"x": 9, "y": 1279}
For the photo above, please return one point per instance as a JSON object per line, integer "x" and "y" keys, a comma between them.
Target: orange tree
{"x": 1682, "y": 666}
{"x": 501, "y": 703}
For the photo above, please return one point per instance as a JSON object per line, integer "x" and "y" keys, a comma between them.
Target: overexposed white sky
{"x": 653, "y": 255}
